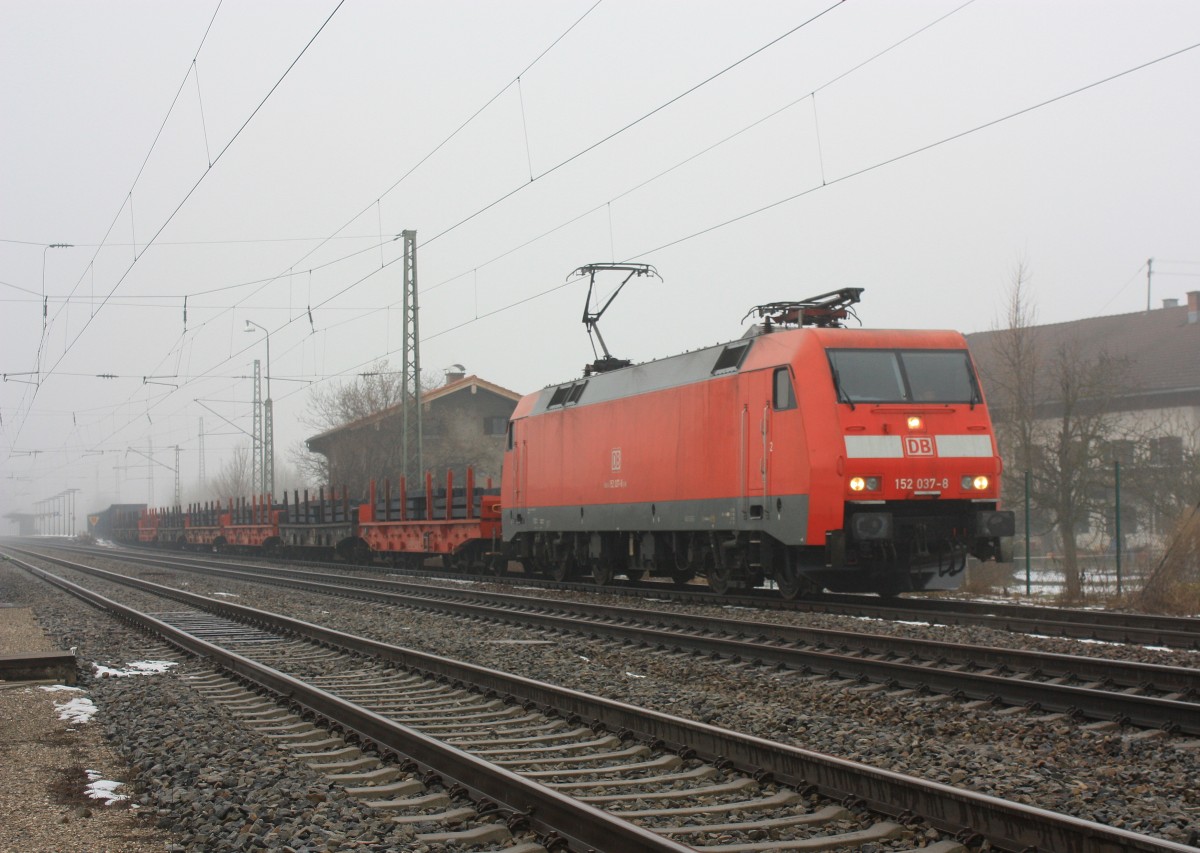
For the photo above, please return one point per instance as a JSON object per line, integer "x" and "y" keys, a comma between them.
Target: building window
{"x": 495, "y": 425}
{"x": 1167, "y": 451}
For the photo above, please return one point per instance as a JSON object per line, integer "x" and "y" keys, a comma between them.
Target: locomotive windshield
{"x": 903, "y": 376}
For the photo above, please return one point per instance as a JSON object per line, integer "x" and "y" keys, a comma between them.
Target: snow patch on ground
{"x": 138, "y": 667}
{"x": 100, "y": 788}
{"x": 77, "y": 710}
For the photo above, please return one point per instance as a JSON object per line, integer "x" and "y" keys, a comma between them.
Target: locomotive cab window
{"x": 785, "y": 394}
{"x": 903, "y": 376}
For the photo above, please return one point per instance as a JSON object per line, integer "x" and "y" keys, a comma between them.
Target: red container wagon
{"x": 461, "y": 526}
{"x": 849, "y": 459}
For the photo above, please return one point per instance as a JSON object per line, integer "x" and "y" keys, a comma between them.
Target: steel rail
{"x": 1102, "y": 625}
{"x": 1167, "y": 679}
{"x": 1151, "y": 712}
{"x": 1006, "y": 825}
{"x": 584, "y": 827}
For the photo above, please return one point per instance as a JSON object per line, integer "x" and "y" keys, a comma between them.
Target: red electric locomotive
{"x": 806, "y": 452}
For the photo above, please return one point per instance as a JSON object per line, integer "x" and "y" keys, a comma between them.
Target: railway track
{"x": 1077, "y": 623}
{"x": 416, "y": 733}
{"x": 1145, "y": 695}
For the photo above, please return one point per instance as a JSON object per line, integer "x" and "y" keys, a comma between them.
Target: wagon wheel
{"x": 635, "y": 575}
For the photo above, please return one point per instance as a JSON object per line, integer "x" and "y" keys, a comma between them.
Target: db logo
{"x": 918, "y": 445}
{"x": 616, "y": 459}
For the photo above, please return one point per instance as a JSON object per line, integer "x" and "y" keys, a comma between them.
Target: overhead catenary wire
{"x": 629, "y": 125}
{"x": 845, "y": 177}
{"x": 87, "y": 323}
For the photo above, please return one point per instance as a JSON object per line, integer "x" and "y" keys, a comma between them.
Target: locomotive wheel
{"x": 720, "y": 578}
{"x": 791, "y": 582}
{"x": 563, "y": 570}
{"x": 602, "y": 572}
{"x": 682, "y": 577}
{"x": 718, "y": 573}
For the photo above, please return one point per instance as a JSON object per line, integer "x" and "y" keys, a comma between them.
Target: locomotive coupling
{"x": 871, "y": 525}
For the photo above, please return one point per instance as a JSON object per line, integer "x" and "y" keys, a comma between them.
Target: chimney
{"x": 454, "y": 373}
{"x": 1170, "y": 303}
{"x": 1193, "y": 306}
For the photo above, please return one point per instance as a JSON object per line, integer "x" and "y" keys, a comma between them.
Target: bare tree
{"x": 1054, "y": 419}
{"x": 378, "y": 453}
{"x": 1012, "y": 383}
{"x": 1073, "y": 477}
{"x": 233, "y": 480}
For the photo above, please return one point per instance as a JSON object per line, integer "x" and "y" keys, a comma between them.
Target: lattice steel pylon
{"x": 203, "y": 477}
{"x": 268, "y": 484}
{"x": 256, "y": 459}
{"x": 411, "y": 438}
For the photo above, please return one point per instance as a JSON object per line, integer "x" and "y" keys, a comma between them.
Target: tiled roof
{"x": 464, "y": 384}
{"x": 1160, "y": 348}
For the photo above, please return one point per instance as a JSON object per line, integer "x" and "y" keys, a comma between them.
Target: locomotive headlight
{"x": 980, "y": 483}
{"x": 857, "y": 484}
{"x": 915, "y": 422}
{"x": 872, "y": 484}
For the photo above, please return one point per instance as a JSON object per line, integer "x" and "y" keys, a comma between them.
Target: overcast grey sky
{"x": 635, "y": 132}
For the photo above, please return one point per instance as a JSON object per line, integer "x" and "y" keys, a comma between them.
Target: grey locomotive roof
{"x": 670, "y": 372}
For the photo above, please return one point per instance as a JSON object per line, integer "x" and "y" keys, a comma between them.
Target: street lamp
{"x": 268, "y": 436}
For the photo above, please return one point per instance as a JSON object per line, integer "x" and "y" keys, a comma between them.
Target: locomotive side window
{"x": 785, "y": 395}
{"x": 559, "y": 397}
{"x": 903, "y": 376}
{"x": 510, "y": 435}
{"x": 566, "y": 395}
{"x": 731, "y": 357}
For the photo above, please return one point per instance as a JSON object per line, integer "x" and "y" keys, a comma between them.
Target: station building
{"x": 464, "y": 423}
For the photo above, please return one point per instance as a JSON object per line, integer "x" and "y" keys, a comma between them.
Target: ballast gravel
{"x": 1141, "y": 781}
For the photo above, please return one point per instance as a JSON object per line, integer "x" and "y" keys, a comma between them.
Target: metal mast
{"x": 178, "y": 502}
{"x": 411, "y": 435}
{"x": 256, "y": 460}
{"x": 203, "y": 479}
{"x": 268, "y": 487}
{"x": 150, "y": 471}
